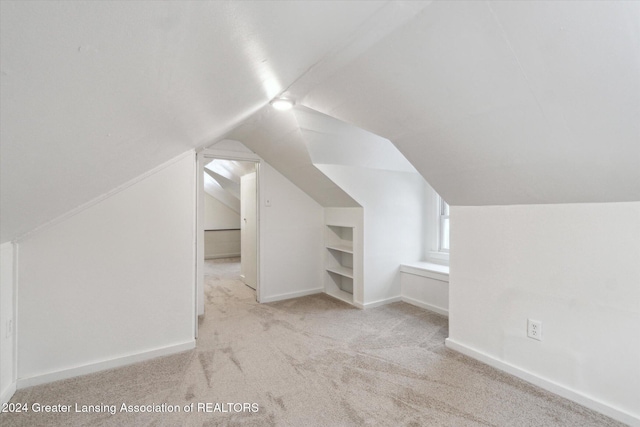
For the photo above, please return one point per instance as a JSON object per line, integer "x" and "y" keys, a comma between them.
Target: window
{"x": 437, "y": 228}
{"x": 443, "y": 226}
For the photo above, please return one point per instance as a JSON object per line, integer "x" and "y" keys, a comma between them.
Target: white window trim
{"x": 438, "y": 257}
{"x": 441, "y": 217}
{"x": 432, "y": 252}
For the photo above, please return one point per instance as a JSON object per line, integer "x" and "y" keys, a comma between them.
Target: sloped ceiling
{"x": 504, "y": 102}
{"x": 296, "y": 142}
{"x": 94, "y": 94}
{"x": 277, "y": 138}
{"x": 222, "y": 180}
{"x": 331, "y": 141}
{"x": 492, "y": 102}
{"x": 215, "y": 190}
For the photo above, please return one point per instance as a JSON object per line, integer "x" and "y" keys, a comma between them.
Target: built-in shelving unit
{"x": 341, "y": 248}
{"x": 343, "y": 254}
{"x": 342, "y": 271}
{"x": 339, "y": 262}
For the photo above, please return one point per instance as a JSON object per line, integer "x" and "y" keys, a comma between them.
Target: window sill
{"x": 438, "y": 257}
{"x": 427, "y": 269}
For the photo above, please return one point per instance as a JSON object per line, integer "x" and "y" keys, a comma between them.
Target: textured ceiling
{"x": 277, "y": 138}
{"x": 504, "y": 102}
{"x": 94, "y": 94}
{"x": 298, "y": 141}
{"x": 492, "y": 102}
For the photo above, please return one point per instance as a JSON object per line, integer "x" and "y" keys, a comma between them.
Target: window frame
{"x": 433, "y": 252}
{"x": 443, "y": 215}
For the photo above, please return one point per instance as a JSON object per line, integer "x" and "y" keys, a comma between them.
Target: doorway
{"x": 227, "y": 224}
{"x": 248, "y": 230}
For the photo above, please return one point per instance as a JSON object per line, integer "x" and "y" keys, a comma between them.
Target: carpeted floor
{"x": 311, "y": 361}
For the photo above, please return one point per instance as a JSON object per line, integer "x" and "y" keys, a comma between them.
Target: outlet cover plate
{"x": 534, "y": 329}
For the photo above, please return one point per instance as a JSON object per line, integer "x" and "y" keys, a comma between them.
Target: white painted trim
{"x": 432, "y": 223}
{"x": 104, "y": 196}
{"x": 343, "y": 296}
{"x": 426, "y": 269}
{"x": 553, "y": 387}
{"x": 244, "y": 156}
{"x": 11, "y": 341}
{"x": 438, "y": 257}
{"x": 107, "y": 364}
{"x": 381, "y": 302}
{"x": 16, "y": 308}
{"x": 196, "y": 219}
{"x": 261, "y": 272}
{"x": 426, "y": 306}
{"x": 290, "y": 295}
{"x": 199, "y": 242}
{"x": 7, "y": 393}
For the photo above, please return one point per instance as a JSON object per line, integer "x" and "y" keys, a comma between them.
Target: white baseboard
{"x": 290, "y": 295}
{"x": 381, "y": 302}
{"x": 7, "y": 393}
{"x": 553, "y": 387}
{"x": 426, "y": 306}
{"x": 101, "y": 366}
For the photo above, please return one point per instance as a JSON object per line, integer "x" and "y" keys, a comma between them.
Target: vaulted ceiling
{"x": 96, "y": 93}
{"x": 492, "y": 102}
{"x": 505, "y": 102}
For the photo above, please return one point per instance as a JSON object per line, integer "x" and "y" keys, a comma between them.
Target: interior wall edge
{"x": 290, "y": 295}
{"x": 563, "y": 265}
{"x": 117, "y": 362}
{"x": 430, "y": 307}
{"x": 553, "y": 387}
{"x": 83, "y": 283}
{"x": 8, "y": 393}
{"x": 381, "y": 302}
{"x": 8, "y": 316}
{"x": 111, "y": 193}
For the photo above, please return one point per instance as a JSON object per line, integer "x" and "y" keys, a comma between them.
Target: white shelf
{"x": 342, "y": 271}
{"x": 341, "y": 295}
{"x": 341, "y": 248}
{"x": 342, "y": 255}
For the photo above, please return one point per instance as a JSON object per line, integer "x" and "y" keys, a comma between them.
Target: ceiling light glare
{"x": 282, "y": 104}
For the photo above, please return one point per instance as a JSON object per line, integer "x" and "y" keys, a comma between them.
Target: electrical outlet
{"x": 534, "y": 329}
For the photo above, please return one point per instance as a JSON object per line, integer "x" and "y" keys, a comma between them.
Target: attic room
{"x": 447, "y": 213}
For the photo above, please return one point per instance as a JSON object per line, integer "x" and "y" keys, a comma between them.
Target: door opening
{"x": 248, "y": 230}
{"x": 227, "y": 222}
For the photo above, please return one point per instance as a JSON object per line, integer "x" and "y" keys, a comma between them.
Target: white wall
{"x": 218, "y": 216}
{"x": 7, "y": 314}
{"x": 112, "y": 282}
{"x": 431, "y": 226}
{"x": 291, "y": 233}
{"x": 419, "y": 289}
{"x": 575, "y": 268}
{"x": 393, "y": 229}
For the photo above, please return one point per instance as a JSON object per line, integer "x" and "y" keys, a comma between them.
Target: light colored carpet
{"x": 311, "y": 361}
